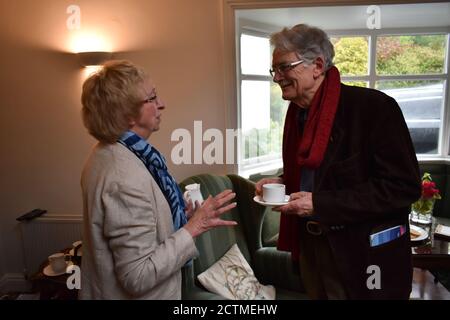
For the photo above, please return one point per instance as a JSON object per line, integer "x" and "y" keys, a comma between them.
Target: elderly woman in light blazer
{"x": 138, "y": 232}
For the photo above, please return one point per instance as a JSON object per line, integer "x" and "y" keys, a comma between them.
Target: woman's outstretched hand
{"x": 207, "y": 215}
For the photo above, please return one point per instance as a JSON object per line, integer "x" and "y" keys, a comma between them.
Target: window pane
{"x": 278, "y": 109}
{"x": 255, "y": 105}
{"x": 255, "y": 55}
{"x": 351, "y": 55}
{"x": 263, "y": 113}
{"x": 424, "y": 54}
{"x": 421, "y": 104}
{"x": 255, "y": 116}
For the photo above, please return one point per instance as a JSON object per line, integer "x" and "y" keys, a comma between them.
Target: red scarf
{"x": 306, "y": 150}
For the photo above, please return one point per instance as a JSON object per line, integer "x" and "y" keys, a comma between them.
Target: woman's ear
{"x": 319, "y": 67}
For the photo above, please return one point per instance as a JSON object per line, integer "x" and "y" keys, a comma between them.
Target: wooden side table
{"x": 52, "y": 288}
{"x": 434, "y": 252}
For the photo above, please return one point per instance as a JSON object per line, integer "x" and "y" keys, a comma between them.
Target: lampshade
{"x": 93, "y": 58}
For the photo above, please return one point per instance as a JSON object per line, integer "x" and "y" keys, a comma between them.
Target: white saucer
{"x": 48, "y": 271}
{"x": 423, "y": 233}
{"x": 259, "y": 200}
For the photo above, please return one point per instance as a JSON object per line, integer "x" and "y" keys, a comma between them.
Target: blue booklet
{"x": 387, "y": 235}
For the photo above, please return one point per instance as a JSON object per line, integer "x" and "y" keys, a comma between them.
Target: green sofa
{"x": 257, "y": 234}
{"x": 270, "y": 265}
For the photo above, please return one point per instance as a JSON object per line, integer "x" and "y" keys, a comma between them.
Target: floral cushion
{"x": 232, "y": 278}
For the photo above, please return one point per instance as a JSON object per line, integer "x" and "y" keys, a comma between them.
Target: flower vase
{"x": 422, "y": 210}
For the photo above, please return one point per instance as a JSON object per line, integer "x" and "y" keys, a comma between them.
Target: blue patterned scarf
{"x": 156, "y": 165}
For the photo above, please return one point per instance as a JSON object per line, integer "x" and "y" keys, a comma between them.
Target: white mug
{"x": 193, "y": 193}
{"x": 58, "y": 262}
{"x": 274, "y": 192}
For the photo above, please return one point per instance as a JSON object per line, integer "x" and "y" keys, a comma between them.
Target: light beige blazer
{"x": 130, "y": 249}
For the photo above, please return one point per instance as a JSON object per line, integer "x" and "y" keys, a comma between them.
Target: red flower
{"x": 429, "y": 189}
{"x": 429, "y": 193}
{"x": 428, "y": 184}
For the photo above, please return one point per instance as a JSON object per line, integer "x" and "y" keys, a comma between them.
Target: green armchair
{"x": 270, "y": 265}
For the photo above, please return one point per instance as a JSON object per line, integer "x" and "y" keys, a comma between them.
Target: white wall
{"x": 44, "y": 143}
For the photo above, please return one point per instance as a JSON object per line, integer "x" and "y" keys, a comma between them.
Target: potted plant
{"x": 422, "y": 209}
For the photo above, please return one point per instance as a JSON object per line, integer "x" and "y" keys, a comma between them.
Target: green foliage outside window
{"x": 356, "y": 83}
{"x": 263, "y": 142}
{"x": 410, "y": 55}
{"x": 351, "y": 55}
{"x": 396, "y": 55}
{"x": 401, "y": 55}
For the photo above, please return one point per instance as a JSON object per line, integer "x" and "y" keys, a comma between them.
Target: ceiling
{"x": 352, "y": 17}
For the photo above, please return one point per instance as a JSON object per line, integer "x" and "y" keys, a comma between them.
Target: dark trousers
{"x": 318, "y": 269}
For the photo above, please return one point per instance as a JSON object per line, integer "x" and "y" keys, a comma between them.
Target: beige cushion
{"x": 232, "y": 278}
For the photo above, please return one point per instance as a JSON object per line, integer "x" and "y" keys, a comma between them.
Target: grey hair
{"x": 307, "y": 41}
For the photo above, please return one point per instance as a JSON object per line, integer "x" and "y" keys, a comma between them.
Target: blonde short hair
{"x": 111, "y": 98}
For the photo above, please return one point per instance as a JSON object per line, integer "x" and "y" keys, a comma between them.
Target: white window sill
{"x": 433, "y": 159}
{"x": 267, "y": 168}
{"x": 272, "y": 167}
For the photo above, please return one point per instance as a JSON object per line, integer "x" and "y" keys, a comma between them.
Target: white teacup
{"x": 58, "y": 262}
{"x": 193, "y": 193}
{"x": 274, "y": 192}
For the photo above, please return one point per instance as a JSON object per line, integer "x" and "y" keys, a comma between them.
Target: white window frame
{"x": 372, "y": 78}
{"x": 231, "y": 28}
{"x": 262, "y": 30}
{"x": 247, "y": 167}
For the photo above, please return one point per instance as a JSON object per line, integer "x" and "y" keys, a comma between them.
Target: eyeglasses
{"x": 151, "y": 99}
{"x": 284, "y": 67}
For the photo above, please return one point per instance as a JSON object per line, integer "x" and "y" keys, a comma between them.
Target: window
{"x": 406, "y": 61}
{"x": 408, "y": 67}
{"x": 262, "y": 108}
{"x": 421, "y": 103}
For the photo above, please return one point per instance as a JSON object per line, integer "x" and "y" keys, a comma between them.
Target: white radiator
{"x": 46, "y": 235}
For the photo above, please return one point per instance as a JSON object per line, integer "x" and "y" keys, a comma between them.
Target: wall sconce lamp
{"x": 90, "y": 59}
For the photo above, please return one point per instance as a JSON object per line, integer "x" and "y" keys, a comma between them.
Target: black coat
{"x": 367, "y": 181}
